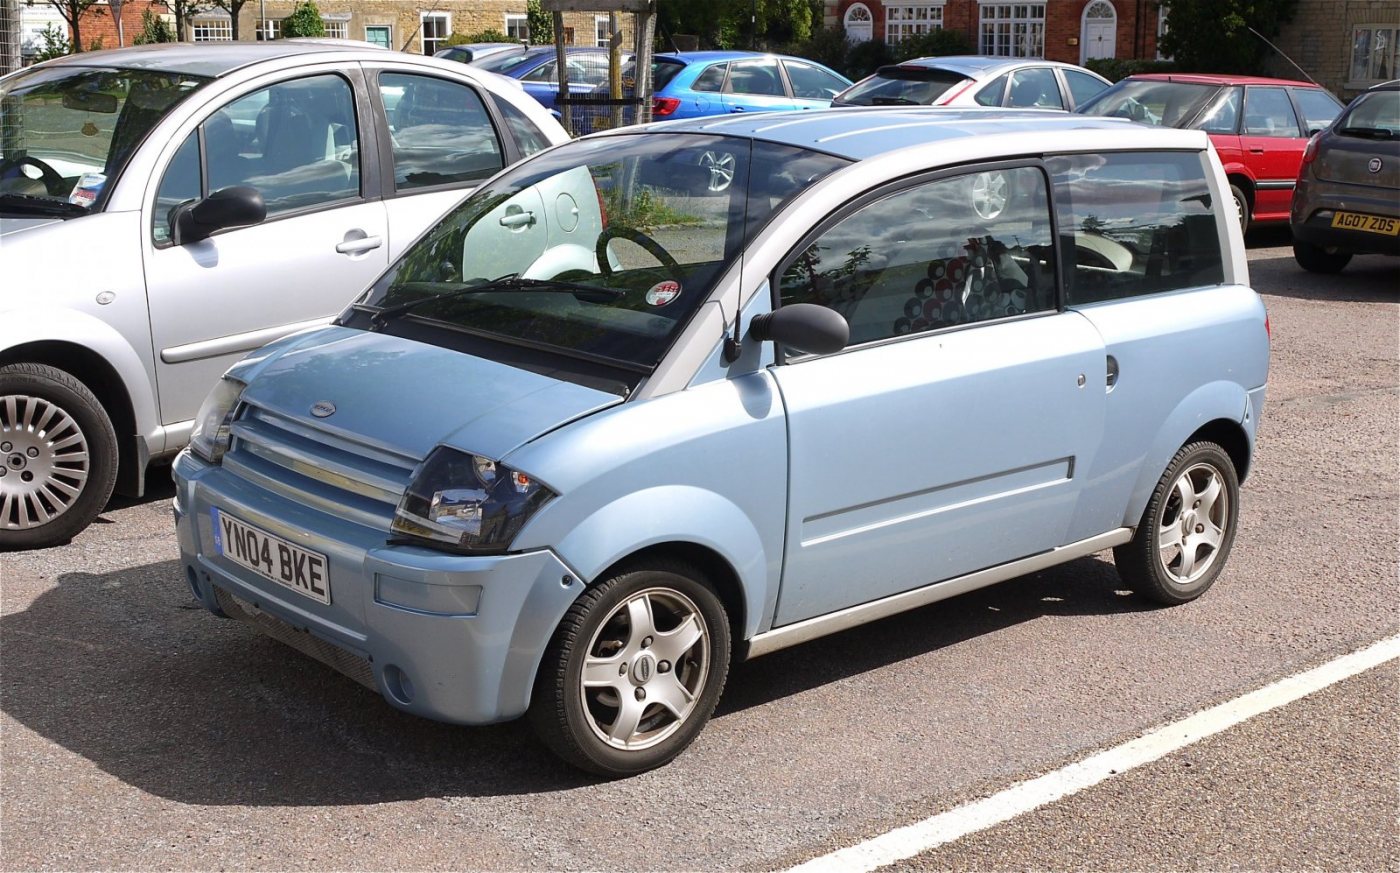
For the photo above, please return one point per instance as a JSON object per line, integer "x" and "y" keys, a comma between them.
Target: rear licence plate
{"x": 271, "y": 557}
{"x": 1366, "y": 223}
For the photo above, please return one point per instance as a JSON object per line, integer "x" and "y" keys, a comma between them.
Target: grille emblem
{"x": 322, "y": 408}
{"x": 1375, "y": 165}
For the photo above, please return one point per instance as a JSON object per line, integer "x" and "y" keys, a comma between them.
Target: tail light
{"x": 1267, "y": 331}
{"x": 1310, "y": 153}
{"x": 664, "y": 106}
{"x": 952, "y": 94}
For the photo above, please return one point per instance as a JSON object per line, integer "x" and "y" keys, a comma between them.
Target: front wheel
{"x": 58, "y": 456}
{"x": 1316, "y": 259}
{"x": 633, "y": 671}
{"x": 1188, "y": 527}
{"x": 1241, "y": 207}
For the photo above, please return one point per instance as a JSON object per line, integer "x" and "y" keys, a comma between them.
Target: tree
{"x": 742, "y": 23}
{"x": 153, "y": 30}
{"x": 184, "y": 10}
{"x": 72, "y": 12}
{"x": 539, "y": 23}
{"x": 55, "y": 44}
{"x": 305, "y": 20}
{"x": 232, "y": 7}
{"x": 481, "y": 36}
{"x": 1214, "y": 35}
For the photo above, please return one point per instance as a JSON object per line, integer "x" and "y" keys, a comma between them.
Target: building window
{"x": 380, "y": 35}
{"x": 1372, "y": 54}
{"x": 602, "y": 31}
{"x": 434, "y": 29}
{"x": 568, "y": 36}
{"x": 902, "y": 22}
{"x": 1161, "y": 31}
{"x": 211, "y": 30}
{"x": 1013, "y": 30}
{"x": 270, "y": 28}
{"x": 518, "y": 26}
{"x": 337, "y": 29}
{"x": 860, "y": 26}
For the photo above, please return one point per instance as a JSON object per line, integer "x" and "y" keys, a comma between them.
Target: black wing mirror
{"x": 237, "y": 206}
{"x": 804, "y": 327}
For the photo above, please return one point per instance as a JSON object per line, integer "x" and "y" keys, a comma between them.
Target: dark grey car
{"x": 1347, "y": 201}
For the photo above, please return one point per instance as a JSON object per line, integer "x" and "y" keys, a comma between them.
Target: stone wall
{"x": 1319, "y": 39}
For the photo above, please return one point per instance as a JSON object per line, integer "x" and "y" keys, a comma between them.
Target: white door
{"x": 860, "y": 27}
{"x": 1099, "y": 35}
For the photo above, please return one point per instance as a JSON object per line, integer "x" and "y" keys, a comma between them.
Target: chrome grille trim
{"x": 266, "y": 443}
{"x": 326, "y": 437}
{"x": 345, "y": 661}
{"x": 375, "y": 515}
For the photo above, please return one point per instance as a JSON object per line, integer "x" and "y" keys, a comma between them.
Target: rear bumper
{"x": 450, "y": 637}
{"x": 1315, "y": 203}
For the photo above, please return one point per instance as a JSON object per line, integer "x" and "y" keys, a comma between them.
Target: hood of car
{"x": 12, "y": 226}
{"x": 408, "y": 397}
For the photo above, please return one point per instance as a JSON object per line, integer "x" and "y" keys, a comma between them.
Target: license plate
{"x": 271, "y": 557}
{"x": 1366, "y": 223}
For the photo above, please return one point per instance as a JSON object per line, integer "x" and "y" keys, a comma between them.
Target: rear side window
{"x": 528, "y": 137}
{"x": 990, "y": 95}
{"x": 711, "y": 79}
{"x": 1135, "y": 223}
{"x": 441, "y": 131}
{"x": 810, "y": 83}
{"x": 1081, "y": 86}
{"x": 1317, "y": 108}
{"x": 1035, "y": 88}
{"x": 1269, "y": 112}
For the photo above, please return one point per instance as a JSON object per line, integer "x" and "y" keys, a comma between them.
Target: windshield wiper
{"x": 893, "y": 101}
{"x": 509, "y": 282}
{"x": 1368, "y": 132}
{"x": 33, "y": 204}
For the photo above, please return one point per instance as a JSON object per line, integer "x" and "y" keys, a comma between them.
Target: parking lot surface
{"x": 138, "y": 731}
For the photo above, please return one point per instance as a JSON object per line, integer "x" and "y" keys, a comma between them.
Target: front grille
{"x": 344, "y": 661}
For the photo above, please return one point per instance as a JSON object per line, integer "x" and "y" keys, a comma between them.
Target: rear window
{"x": 901, "y": 86}
{"x": 662, "y": 72}
{"x": 1374, "y": 115}
{"x": 507, "y": 62}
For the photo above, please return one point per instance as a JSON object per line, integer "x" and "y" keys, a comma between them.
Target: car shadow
{"x": 126, "y": 670}
{"x": 1367, "y": 279}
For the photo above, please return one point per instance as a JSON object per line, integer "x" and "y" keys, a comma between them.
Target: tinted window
{"x": 902, "y": 86}
{"x": 1375, "y": 114}
{"x": 990, "y": 95}
{"x": 528, "y": 137}
{"x": 1152, "y": 101}
{"x": 181, "y": 182}
{"x": 711, "y": 79}
{"x": 662, "y": 72}
{"x": 944, "y": 253}
{"x": 1134, "y": 223}
{"x": 1034, "y": 88}
{"x": 543, "y": 73}
{"x": 1081, "y": 85}
{"x": 1224, "y": 114}
{"x": 441, "y": 132}
{"x": 296, "y": 142}
{"x": 1268, "y": 112}
{"x": 810, "y": 83}
{"x": 1318, "y": 108}
{"x": 754, "y": 77}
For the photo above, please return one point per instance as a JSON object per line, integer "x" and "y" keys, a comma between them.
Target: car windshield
{"x": 1150, "y": 101}
{"x": 900, "y": 86}
{"x": 65, "y": 131}
{"x": 599, "y": 250}
{"x": 1375, "y": 115}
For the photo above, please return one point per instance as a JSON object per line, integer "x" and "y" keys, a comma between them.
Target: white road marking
{"x": 1023, "y": 797}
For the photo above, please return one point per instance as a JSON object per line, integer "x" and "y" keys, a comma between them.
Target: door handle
{"x": 1112, "y": 372}
{"x": 1254, "y": 151}
{"x": 737, "y": 109}
{"x": 359, "y": 246}
{"x": 518, "y": 219}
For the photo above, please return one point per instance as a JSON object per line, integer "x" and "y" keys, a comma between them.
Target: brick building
{"x": 1061, "y": 30}
{"x": 99, "y": 23}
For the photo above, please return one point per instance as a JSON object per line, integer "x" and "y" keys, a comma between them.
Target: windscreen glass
{"x": 1150, "y": 101}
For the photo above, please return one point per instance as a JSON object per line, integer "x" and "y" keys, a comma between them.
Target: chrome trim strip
{"x": 234, "y": 343}
{"x": 332, "y": 439}
{"x": 854, "y": 616}
{"x": 259, "y": 443}
{"x": 337, "y": 508}
{"x": 1276, "y": 184}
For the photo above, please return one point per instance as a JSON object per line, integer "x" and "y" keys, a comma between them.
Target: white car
{"x": 976, "y": 80}
{"x": 166, "y": 209}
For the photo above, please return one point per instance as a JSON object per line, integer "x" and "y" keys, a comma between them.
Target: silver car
{"x": 976, "y": 80}
{"x": 166, "y": 209}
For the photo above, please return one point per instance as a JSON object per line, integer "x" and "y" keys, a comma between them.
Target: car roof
{"x": 720, "y": 55}
{"x": 209, "y": 58}
{"x": 1220, "y": 79}
{"x": 860, "y": 132}
{"x": 1392, "y": 85}
{"x": 980, "y": 64}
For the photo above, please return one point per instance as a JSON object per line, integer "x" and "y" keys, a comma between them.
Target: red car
{"x": 1259, "y": 126}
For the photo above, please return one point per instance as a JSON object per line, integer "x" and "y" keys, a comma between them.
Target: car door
{"x": 755, "y": 86}
{"x": 1272, "y": 142}
{"x": 947, "y": 437}
{"x": 304, "y": 143}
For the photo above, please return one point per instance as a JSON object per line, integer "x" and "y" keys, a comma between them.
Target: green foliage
{"x": 54, "y": 43}
{"x": 643, "y": 210}
{"x": 305, "y": 20}
{"x": 1213, "y": 36}
{"x": 934, "y": 44}
{"x": 95, "y": 45}
{"x": 863, "y": 58}
{"x": 826, "y": 46}
{"x": 483, "y": 36}
{"x": 539, "y": 22}
{"x": 153, "y": 30}
{"x": 1114, "y": 69}
{"x": 740, "y": 24}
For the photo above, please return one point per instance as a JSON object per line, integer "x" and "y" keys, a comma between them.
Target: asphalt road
{"x": 138, "y": 731}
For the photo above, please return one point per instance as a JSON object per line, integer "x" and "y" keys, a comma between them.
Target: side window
{"x": 990, "y": 95}
{"x": 441, "y": 132}
{"x": 711, "y": 79}
{"x": 543, "y": 73}
{"x": 528, "y": 137}
{"x": 1135, "y": 223}
{"x": 1081, "y": 86}
{"x": 1317, "y": 107}
{"x": 1224, "y": 115}
{"x": 181, "y": 182}
{"x": 754, "y": 77}
{"x": 1269, "y": 112}
{"x": 810, "y": 83}
{"x": 1034, "y": 88}
{"x": 948, "y": 252}
{"x": 296, "y": 142}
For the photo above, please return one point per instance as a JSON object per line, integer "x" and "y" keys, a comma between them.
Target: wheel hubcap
{"x": 1192, "y": 528}
{"x": 43, "y": 461}
{"x": 721, "y": 167}
{"x": 645, "y": 669}
{"x": 989, "y": 194}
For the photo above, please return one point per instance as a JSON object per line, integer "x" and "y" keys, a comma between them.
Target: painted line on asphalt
{"x": 1023, "y": 797}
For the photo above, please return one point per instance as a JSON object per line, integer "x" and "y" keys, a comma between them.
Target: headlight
{"x": 466, "y": 503}
{"x": 210, "y": 436}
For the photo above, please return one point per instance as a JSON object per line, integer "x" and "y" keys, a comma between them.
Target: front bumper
{"x": 450, "y": 637}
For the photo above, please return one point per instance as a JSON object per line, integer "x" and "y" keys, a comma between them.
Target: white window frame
{"x": 912, "y": 18}
{"x": 437, "y": 42}
{"x": 386, "y": 27}
{"x": 211, "y": 29}
{"x": 337, "y": 27}
{"x": 1161, "y": 31}
{"x": 1387, "y": 52}
{"x": 519, "y": 22}
{"x": 602, "y": 31}
{"x": 269, "y": 29}
{"x": 853, "y": 15}
{"x": 1011, "y": 30}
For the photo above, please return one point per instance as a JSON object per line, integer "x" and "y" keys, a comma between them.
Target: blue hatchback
{"x": 537, "y": 70}
{"x": 696, "y": 84}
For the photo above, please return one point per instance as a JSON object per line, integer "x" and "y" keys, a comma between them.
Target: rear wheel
{"x": 58, "y": 456}
{"x": 1316, "y": 259}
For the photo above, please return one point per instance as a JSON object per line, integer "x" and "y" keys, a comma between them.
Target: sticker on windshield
{"x": 663, "y": 292}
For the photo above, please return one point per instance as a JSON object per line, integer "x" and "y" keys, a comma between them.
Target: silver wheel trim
{"x": 1192, "y": 526}
{"x": 721, "y": 167}
{"x": 989, "y": 194}
{"x": 642, "y": 677}
{"x": 1239, "y": 207}
{"x": 44, "y": 461}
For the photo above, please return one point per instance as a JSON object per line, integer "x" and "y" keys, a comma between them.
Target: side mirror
{"x": 237, "y": 206}
{"x": 805, "y": 327}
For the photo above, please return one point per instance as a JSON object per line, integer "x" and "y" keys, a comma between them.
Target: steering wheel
{"x": 51, "y": 178}
{"x": 600, "y": 249}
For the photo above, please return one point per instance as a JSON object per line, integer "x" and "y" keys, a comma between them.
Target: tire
{"x": 1241, "y": 207}
{"x": 1316, "y": 259}
{"x": 1179, "y": 550}
{"x": 50, "y": 488}
{"x": 655, "y": 643}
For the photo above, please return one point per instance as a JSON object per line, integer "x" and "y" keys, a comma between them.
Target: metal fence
{"x": 9, "y": 36}
{"x": 588, "y": 113}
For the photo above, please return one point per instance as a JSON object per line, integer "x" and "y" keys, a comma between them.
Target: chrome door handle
{"x": 359, "y": 246}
